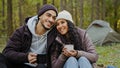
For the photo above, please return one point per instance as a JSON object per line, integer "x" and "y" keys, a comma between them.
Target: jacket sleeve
{"x": 58, "y": 61}
{"x": 12, "y": 51}
{"x": 89, "y": 49}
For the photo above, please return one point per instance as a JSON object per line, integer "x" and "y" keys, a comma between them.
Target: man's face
{"x": 48, "y": 19}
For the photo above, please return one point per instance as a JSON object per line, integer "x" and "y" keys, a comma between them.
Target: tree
{"x": 95, "y": 12}
{"x": 115, "y": 3}
{"x": 92, "y": 10}
{"x": 38, "y": 6}
{"x": 53, "y": 2}
{"x": 97, "y": 15}
{"x": 62, "y": 4}
{"x": 3, "y": 13}
{"x": 76, "y": 13}
{"x": 20, "y": 12}
{"x": 103, "y": 9}
{"x": 9, "y": 18}
{"x": 81, "y": 13}
{"x": 44, "y": 1}
{"x": 70, "y": 6}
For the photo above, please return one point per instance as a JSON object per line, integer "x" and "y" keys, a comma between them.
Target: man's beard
{"x": 46, "y": 28}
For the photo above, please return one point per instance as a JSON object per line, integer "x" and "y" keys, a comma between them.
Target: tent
{"x": 112, "y": 37}
{"x": 101, "y": 33}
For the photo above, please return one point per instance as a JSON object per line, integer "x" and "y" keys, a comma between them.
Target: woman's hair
{"x": 72, "y": 36}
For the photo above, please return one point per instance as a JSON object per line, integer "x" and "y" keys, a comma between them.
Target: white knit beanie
{"x": 64, "y": 15}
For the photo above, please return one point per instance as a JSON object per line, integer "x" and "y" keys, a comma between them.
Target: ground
{"x": 108, "y": 54}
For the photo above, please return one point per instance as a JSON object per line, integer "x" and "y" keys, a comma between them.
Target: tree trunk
{"x": 70, "y": 6}
{"x": 44, "y": 2}
{"x": 115, "y": 14}
{"x": 62, "y": 5}
{"x": 53, "y": 2}
{"x": 81, "y": 13}
{"x": 3, "y": 13}
{"x": 92, "y": 10}
{"x": 97, "y": 15}
{"x": 9, "y": 18}
{"x": 38, "y": 7}
{"x": 103, "y": 9}
{"x": 20, "y": 12}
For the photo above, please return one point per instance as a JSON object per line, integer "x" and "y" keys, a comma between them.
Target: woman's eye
{"x": 62, "y": 22}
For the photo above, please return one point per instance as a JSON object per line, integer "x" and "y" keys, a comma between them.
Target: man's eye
{"x": 48, "y": 15}
{"x": 54, "y": 18}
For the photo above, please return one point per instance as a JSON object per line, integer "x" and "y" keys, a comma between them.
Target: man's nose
{"x": 51, "y": 19}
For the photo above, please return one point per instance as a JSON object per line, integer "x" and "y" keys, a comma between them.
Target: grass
{"x": 108, "y": 55}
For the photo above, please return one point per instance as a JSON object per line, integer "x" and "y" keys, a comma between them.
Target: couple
{"x": 40, "y": 43}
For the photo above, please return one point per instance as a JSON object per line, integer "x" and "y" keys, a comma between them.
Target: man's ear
{"x": 39, "y": 17}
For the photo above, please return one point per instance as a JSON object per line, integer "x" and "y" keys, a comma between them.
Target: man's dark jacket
{"x": 19, "y": 44}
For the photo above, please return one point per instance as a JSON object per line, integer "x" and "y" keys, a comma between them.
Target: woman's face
{"x": 62, "y": 26}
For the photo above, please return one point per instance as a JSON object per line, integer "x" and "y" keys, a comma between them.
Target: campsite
{"x": 107, "y": 41}
{"x": 99, "y": 18}
{"x": 101, "y": 33}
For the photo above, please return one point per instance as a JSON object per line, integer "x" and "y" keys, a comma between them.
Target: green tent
{"x": 112, "y": 37}
{"x": 101, "y": 33}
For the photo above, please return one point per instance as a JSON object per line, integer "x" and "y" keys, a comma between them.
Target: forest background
{"x": 14, "y": 12}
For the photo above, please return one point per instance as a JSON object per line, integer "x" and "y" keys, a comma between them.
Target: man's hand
{"x": 32, "y": 58}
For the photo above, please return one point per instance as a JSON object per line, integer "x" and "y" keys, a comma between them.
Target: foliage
{"x": 29, "y": 9}
{"x": 107, "y": 54}
{"x": 87, "y": 12}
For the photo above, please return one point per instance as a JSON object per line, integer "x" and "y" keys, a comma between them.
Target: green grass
{"x": 109, "y": 55}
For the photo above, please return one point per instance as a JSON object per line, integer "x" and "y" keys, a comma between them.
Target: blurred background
{"x": 84, "y": 12}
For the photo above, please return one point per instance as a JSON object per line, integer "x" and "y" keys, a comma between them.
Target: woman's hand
{"x": 73, "y": 52}
{"x": 66, "y": 52}
{"x": 69, "y": 53}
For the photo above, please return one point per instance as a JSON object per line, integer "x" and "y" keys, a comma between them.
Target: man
{"x": 28, "y": 46}
{"x": 2, "y": 61}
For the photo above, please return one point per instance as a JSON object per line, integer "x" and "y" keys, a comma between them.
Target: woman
{"x": 82, "y": 56}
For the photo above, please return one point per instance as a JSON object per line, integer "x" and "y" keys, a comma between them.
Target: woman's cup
{"x": 69, "y": 47}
